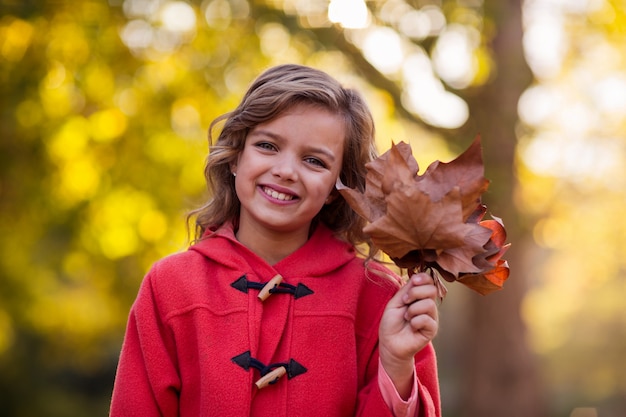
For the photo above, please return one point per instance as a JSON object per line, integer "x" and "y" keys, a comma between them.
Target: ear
{"x": 233, "y": 169}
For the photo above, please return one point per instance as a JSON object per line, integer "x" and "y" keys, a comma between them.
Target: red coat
{"x": 198, "y": 337}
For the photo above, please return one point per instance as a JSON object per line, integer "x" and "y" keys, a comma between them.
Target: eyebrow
{"x": 279, "y": 138}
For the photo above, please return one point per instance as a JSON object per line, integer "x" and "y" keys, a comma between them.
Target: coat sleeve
{"x": 371, "y": 402}
{"x": 429, "y": 402}
{"x": 147, "y": 382}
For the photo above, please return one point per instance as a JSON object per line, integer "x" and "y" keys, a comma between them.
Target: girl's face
{"x": 287, "y": 170}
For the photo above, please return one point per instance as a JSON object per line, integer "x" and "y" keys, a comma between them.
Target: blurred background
{"x": 104, "y": 108}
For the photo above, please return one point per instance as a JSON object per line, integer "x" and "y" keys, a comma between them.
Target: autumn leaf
{"x": 433, "y": 222}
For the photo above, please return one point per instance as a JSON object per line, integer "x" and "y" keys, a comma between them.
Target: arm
{"x": 146, "y": 383}
{"x": 408, "y": 362}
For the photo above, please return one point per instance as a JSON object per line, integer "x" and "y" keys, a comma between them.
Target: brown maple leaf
{"x": 433, "y": 222}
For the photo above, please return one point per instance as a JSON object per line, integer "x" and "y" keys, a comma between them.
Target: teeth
{"x": 277, "y": 195}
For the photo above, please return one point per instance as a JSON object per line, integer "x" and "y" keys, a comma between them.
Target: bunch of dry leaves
{"x": 433, "y": 222}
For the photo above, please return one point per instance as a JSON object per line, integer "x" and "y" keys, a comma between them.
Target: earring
{"x": 234, "y": 174}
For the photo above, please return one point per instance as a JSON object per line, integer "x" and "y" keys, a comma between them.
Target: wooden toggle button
{"x": 265, "y": 291}
{"x": 271, "y": 377}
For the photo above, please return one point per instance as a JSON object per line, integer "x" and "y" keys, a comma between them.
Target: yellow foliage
{"x": 76, "y": 266}
{"x": 70, "y": 141}
{"x": 60, "y": 101}
{"x": 156, "y": 76}
{"x": 552, "y": 232}
{"x": 56, "y": 76}
{"x": 74, "y": 317}
{"x": 99, "y": 83}
{"x": 191, "y": 180}
{"x": 29, "y": 113}
{"x": 578, "y": 293}
{"x": 535, "y": 191}
{"x": 16, "y": 35}
{"x": 78, "y": 175}
{"x": 152, "y": 225}
{"x": 484, "y": 66}
{"x": 79, "y": 180}
{"x": 118, "y": 241}
{"x": 185, "y": 117}
{"x": 107, "y": 125}
{"x": 127, "y": 101}
{"x": 122, "y": 219}
{"x": 611, "y": 15}
{"x": 166, "y": 148}
{"x": 66, "y": 42}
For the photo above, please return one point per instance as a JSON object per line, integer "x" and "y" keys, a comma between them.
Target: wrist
{"x": 400, "y": 371}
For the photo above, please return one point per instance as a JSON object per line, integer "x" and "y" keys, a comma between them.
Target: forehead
{"x": 307, "y": 122}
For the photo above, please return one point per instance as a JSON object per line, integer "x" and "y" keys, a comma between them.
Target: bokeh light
{"x": 351, "y": 14}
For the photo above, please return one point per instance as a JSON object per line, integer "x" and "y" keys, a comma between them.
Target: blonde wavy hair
{"x": 275, "y": 91}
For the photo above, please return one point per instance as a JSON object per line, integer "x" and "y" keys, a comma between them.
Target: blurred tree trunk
{"x": 499, "y": 372}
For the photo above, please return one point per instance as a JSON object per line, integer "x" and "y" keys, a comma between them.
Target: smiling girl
{"x": 271, "y": 312}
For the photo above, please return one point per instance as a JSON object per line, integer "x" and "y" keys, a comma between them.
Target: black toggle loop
{"x": 246, "y": 361}
{"x": 298, "y": 291}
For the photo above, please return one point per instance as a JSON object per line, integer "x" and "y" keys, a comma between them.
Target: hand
{"x": 409, "y": 322}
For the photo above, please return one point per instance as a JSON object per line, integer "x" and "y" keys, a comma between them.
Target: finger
{"x": 426, "y": 307}
{"x": 421, "y": 278}
{"x": 401, "y": 298}
{"x": 419, "y": 292}
{"x": 425, "y": 325}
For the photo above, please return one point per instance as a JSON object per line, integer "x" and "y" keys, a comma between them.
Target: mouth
{"x": 277, "y": 195}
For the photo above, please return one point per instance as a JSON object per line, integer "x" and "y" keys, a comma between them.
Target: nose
{"x": 285, "y": 168}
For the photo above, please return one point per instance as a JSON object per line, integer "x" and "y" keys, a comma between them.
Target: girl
{"x": 271, "y": 312}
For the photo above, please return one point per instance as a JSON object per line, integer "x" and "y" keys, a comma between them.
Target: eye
{"x": 265, "y": 145}
{"x": 315, "y": 161}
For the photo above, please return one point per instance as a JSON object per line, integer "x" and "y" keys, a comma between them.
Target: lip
{"x": 281, "y": 195}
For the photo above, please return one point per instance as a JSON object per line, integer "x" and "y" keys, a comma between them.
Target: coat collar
{"x": 321, "y": 254}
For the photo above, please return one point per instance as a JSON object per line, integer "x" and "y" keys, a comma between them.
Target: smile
{"x": 275, "y": 194}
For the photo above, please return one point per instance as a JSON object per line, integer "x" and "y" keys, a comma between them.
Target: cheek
{"x": 243, "y": 163}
